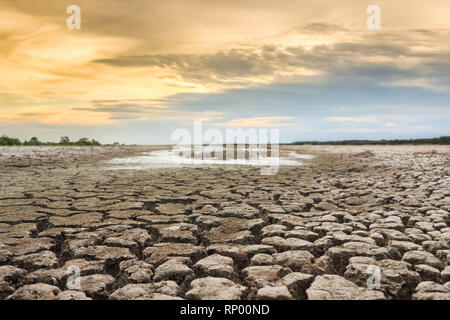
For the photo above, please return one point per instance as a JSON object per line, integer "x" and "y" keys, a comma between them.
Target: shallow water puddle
{"x": 171, "y": 159}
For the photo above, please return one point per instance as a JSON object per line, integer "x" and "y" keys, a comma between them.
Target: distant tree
{"x": 444, "y": 140}
{"x": 83, "y": 142}
{"x": 7, "y": 141}
{"x": 441, "y": 140}
{"x": 64, "y": 141}
{"x": 33, "y": 142}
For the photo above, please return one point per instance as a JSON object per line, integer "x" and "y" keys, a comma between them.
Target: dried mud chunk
{"x": 35, "y": 261}
{"x": 124, "y": 205}
{"x": 32, "y": 245}
{"x": 327, "y": 227}
{"x": 126, "y": 214}
{"x": 428, "y": 273}
{"x": 179, "y": 232}
{"x": 321, "y": 265}
{"x": 69, "y": 246}
{"x": 355, "y": 201}
{"x": 155, "y": 219}
{"x": 326, "y": 206}
{"x": 164, "y": 290}
{"x": 288, "y": 220}
{"x": 288, "y": 244}
{"x": 232, "y": 230}
{"x": 429, "y": 290}
{"x": 173, "y": 269}
{"x": 397, "y": 279}
{"x": 72, "y": 295}
{"x": 76, "y": 220}
{"x": 137, "y": 235}
{"x": 340, "y": 238}
{"x": 207, "y": 222}
{"x": 171, "y": 208}
{"x": 97, "y": 286}
{"x": 340, "y": 255}
{"x": 274, "y": 230}
{"x": 404, "y": 246}
{"x": 10, "y": 278}
{"x": 434, "y": 246}
{"x": 424, "y": 226}
{"x": 271, "y": 208}
{"x": 240, "y": 253}
{"x": 135, "y": 271}
{"x": 89, "y": 204}
{"x": 37, "y": 291}
{"x": 220, "y": 235}
{"x": 242, "y": 210}
{"x": 416, "y": 257}
{"x": 443, "y": 256}
{"x": 297, "y": 283}
{"x": 215, "y": 266}
{"x": 302, "y": 234}
{"x": 111, "y": 255}
{"x": 333, "y": 287}
{"x": 392, "y": 234}
{"x": 278, "y": 292}
{"x": 294, "y": 259}
{"x": 206, "y": 210}
{"x": 54, "y": 277}
{"x": 262, "y": 259}
{"x": 59, "y": 232}
{"x": 211, "y": 288}
{"x": 162, "y": 252}
{"x": 260, "y": 276}
{"x": 85, "y": 267}
{"x": 20, "y": 230}
{"x": 120, "y": 242}
{"x": 445, "y": 274}
{"x": 5, "y": 255}
{"x": 20, "y": 216}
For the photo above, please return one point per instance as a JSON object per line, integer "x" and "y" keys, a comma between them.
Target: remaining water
{"x": 173, "y": 159}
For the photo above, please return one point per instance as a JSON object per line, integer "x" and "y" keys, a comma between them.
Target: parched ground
{"x": 318, "y": 231}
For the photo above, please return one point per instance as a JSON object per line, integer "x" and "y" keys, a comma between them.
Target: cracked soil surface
{"x": 309, "y": 232}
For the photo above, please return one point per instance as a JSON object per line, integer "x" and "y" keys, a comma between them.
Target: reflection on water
{"x": 174, "y": 158}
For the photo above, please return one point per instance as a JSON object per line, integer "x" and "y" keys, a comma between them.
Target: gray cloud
{"x": 236, "y": 66}
{"x": 118, "y": 108}
{"x": 321, "y": 28}
{"x": 232, "y": 63}
{"x": 125, "y": 109}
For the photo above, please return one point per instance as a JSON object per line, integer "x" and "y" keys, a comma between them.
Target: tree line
{"x": 445, "y": 140}
{"x": 64, "y": 141}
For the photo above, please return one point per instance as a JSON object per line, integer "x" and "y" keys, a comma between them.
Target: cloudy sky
{"x": 137, "y": 70}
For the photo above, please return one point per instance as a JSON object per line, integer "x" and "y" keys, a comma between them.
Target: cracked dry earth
{"x": 308, "y": 232}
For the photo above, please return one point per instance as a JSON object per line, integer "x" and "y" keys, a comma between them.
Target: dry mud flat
{"x": 308, "y": 232}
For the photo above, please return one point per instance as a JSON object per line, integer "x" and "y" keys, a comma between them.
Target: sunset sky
{"x": 137, "y": 70}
